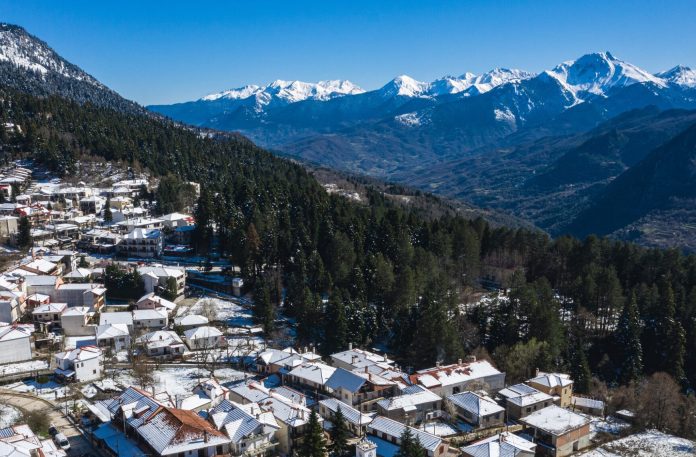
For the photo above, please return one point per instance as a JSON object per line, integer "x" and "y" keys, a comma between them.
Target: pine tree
{"x": 24, "y": 233}
{"x": 628, "y": 339}
{"x": 264, "y": 310}
{"x": 314, "y": 444}
{"x": 108, "y": 216}
{"x": 579, "y": 366}
{"x": 410, "y": 446}
{"x": 339, "y": 435}
{"x": 336, "y": 324}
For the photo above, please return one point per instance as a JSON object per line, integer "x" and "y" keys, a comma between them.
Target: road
{"x": 28, "y": 403}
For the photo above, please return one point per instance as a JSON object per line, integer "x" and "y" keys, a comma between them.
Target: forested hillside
{"x": 392, "y": 277}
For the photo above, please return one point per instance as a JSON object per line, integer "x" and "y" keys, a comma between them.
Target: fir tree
{"x": 314, "y": 444}
{"x": 336, "y": 325}
{"x": 410, "y": 445}
{"x": 628, "y": 339}
{"x": 579, "y": 367}
{"x": 24, "y": 232}
{"x": 263, "y": 310}
{"x": 339, "y": 435}
{"x": 108, "y": 216}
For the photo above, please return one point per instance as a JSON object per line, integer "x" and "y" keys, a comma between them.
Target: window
{"x": 94, "y": 371}
{"x": 529, "y": 409}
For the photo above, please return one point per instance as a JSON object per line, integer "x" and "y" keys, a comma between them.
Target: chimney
{"x": 365, "y": 369}
{"x": 350, "y": 346}
{"x": 437, "y": 364}
{"x": 459, "y": 361}
{"x": 354, "y": 360}
{"x": 470, "y": 358}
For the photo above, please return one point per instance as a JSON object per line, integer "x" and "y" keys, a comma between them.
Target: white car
{"x": 61, "y": 441}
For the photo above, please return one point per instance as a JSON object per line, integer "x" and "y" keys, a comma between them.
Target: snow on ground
{"x": 73, "y": 342}
{"x": 179, "y": 381}
{"x": 223, "y": 310}
{"x": 609, "y": 425}
{"x": 49, "y": 390}
{"x": 646, "y": 444}
{"x": 9, "y": 415}
{"x": 439, "y": 429}
{"x": 31, "y": 365}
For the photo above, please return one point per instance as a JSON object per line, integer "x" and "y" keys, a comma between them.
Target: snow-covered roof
{"x": 555, "y": 420}
{"x": 76, "y": 311}
{"x": 552, "y": 379}
{"x": 318, "y": 373}
{"x": 414, "y": 397}
{"x": 392, "y": 428}
{"x": 171, "y": 431}
{"x": 505, "y": 444}
{"x": 108, "y": 331}
{"x": 13, "y": 332}
{"x": 360, "y": 358}
{"x": 80, "y": 354}
{"x": 524, "y": 395}
{"x": 148, "y": 314}
{"x": 476, "y": 404}
{"x": 120, "y": 317}
{"x": 50, "y": 308}
{"x": 159, "y": 301}
{"x": 202, "y": 332}
{"x": 454, "y": 374}
{"x": 241, "y": 421}
{"x": 160, "y": 338}
{"x": 190, "y": 320}
{"x": 344, "y": 379}
{"x": 143, "y": 234}
{"x": 351, "y": 414}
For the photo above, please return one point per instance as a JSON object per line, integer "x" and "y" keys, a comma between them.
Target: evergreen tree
{"x": 629, "y": 345}
{"x": 336, "y": 325}
{"x": 24, "y": 233}
{"x": 580, "y": 367}
{"x": 108, "y": 216}
{"x": 339, "y": 435}
{"x": 264, "y": 310}
{"x": 410, "y": 445}
{"x": 314, "y": 444}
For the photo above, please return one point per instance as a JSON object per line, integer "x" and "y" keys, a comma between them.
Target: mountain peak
{"x": 288, "y": 91}
{"x": 680, "y": 75}
{"x": 405, "y": 86}
{"x": 599, "y": 72}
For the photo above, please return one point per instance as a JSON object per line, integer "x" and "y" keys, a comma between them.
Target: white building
{"x": 190, "y": 321}
{"x": 391, "y": 431}
{"x": 162, "y": 343}
{"x": 204, "y": 338}
{"x": 76, "y": 321}
{"x": 81, "y": 364}
{"x": 158, "y": 278}
{"x": 150, "y": 319}
{"x": 116, "y": 336}
{"x": 152, "y": 301}
{"x": 250, "y": 429}
{"x": 15, "y": 344}
{"x": 502, "y": 445}
{"x": 447, "y": 380}
{"x": 142, "y": 242}
{"x": 49, "y": 313}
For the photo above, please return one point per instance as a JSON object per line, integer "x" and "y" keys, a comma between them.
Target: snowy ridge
{"x": 679, "y": 75}
{"x": 289, "y": 91}
{"x": 25, "y": 51}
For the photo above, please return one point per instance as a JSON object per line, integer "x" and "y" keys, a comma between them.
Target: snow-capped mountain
{"x": 598, "y": 73}
{"x": 679, "y": 75}
{"x": 31, "y": 65}
{"x": 289, "y": 91}
{"x": 447, "y": 116}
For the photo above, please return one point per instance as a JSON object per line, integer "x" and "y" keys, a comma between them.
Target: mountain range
{"x": 594, "y": 145}
{"x": 540, "y": 146}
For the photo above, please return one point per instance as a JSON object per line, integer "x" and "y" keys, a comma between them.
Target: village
{"x": 178, "y": 366}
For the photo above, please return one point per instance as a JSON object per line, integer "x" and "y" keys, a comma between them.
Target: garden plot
{"x": 646, "y": 444}
{"x": 50, "y": 390}
{"x": 439, "y": 429}
{"x": 179, "y": 381}
{"x": 227, "y": 311}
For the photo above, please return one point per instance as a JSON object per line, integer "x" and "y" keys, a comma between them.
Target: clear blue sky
{"x": 168, "y": 51}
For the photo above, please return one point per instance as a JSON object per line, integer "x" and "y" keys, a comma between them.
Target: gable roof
{"x": 475, "y": 403}
{"x": 393, "y": 428}
{"x": 346, "y": 380}
{"x": 555, "y": 420}
{"x": 171, "y": 431}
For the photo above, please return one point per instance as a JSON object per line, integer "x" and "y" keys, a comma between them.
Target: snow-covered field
{"x": 50, "y": 390}
{"x": 31, "y": 365}
{"x": 179, "y": 381}
{"x": 646, "y": 444}
{"x": 9, "y": 415}
{"x": 609, "y": 425}
{"x": 223, "y": 310}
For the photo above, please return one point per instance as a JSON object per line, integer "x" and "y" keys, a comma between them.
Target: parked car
{"x": 62, "y": 441}
{"x": 52, "y": 430}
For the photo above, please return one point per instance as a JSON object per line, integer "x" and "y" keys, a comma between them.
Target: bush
{"x": 38, "y": 422}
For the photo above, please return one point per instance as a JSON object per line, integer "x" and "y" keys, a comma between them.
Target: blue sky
{"x": 163, "y": 52}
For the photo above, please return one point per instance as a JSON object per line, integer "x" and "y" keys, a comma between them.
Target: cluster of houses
{"x": 73, "y": 216}
{"x": 268, "y": 414}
